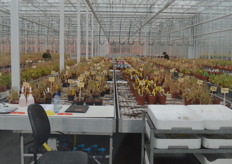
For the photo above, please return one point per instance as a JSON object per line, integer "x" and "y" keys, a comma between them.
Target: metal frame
{"x": 149, "y": 145}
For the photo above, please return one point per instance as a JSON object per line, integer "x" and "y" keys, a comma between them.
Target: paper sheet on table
{"x": 47, "y": 106}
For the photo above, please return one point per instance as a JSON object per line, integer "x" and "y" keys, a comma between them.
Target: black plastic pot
{"x": 70, "y": 97}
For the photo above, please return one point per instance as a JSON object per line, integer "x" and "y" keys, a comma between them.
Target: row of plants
{"x": 92, "y": 76}
{"x": 195, "y": 67}
{"x": 25, "y": 58}
{"x": 33, "y": 73}
{"x": 148, "y": 82}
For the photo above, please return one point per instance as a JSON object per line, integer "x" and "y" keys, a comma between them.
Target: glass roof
{"x": 117, "y": 17}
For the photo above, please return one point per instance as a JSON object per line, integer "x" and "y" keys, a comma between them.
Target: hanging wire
{"x": 169, "y": 42}
{"x": 150, "y": 44}
{"x": 120, "y": 34}
{"x": 128, "y": 41}
{"x": 141, "y": 44}
{"x": 110, "y": 34}
{"x": 99, "y": 37}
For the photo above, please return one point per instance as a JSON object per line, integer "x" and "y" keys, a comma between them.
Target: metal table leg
{"x": 111, "y": 150}
{"x": 142, "y": 140}
{"x": 22, "y": 148}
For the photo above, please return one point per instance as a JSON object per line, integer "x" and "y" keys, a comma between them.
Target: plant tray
{"x": 215, "y": 116}
{"x": 217, "y": 141}
{"x": 166, "y": 141}
{"x": 167, "y": 117}
{"x": 214, "y": 158}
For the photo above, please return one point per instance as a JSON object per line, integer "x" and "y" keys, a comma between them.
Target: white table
{"x": 98, "y": 120}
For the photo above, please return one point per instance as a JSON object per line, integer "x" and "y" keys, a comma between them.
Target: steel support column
{"x": 15, "y": 54}
{"x": 87, "y": 33}
{"x": 92, "y": 25}
{"x": 78, "y": 31}
{"x": 61, "y": 35}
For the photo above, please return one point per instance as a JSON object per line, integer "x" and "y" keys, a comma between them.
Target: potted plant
{"x": 89, "y": 100}
{"x": 140, "y": 96}
{"x": 13, "y": 98}
{"x": 151, "y": 97}
{"x": 70, "y": 94}
{"x": 98, "y": 101}
{"x": 161, "y": 96}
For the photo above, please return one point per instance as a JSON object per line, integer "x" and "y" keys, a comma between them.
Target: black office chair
{"x": 41, "y": 131}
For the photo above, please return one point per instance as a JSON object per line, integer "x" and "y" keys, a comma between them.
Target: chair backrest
{"x": 40, "y": 125}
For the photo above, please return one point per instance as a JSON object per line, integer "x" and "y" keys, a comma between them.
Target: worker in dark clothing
{"x": 166, "y": 55}
{"x": 47, "y": 55}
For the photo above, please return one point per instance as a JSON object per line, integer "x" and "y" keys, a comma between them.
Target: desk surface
{"x": 98, "y": 119}
{"x": 92, "y": 112}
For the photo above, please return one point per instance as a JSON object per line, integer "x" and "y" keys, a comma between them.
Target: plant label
{"x": 213, "y": 88}
{"x": 0, "y": 74}
{"x": 224, "y": 90}
{"x": 93, "y": 72}
{"x": 186, "y": 77}
{"x": 70, "y": 81}
{"x": 180, "y": 74}
{"x": 172, "y": 70}
{"x": 51, "y": 79}
{"x": 34, "y": 66}
{"x": 80, "y": 78}
{"x": 81, "y": 84}
{"x": 98, "y": 78}
{"x": 141, "y": 69}
{"x": 216, "y": 70}
{"x": 105, "y": 71}
{"x": 53, "y": 72}
{"x": 199, "y": 82}
{"x": 67, "y": 67}
{"x": 26, "y": 85}
{"x": 142, "y": 82}
{"x": 82, "y": 75}
{"x": 87, "y": 73}
{"x": 181, "y": 80}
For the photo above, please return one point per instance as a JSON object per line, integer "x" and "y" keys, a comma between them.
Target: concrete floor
{"x": 126, "y": 149}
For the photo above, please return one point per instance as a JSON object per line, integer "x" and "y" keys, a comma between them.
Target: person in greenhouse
{"x": 166, "y": 55}
{"x": 47, "y": 55}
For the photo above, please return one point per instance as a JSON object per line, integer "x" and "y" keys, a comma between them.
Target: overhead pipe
{"x": 96, "y": 17}
{"x": 210, "y": 20}
{"x": 156, "y": 14}
{"x": 207, "y": 33}
{"x": 7, "y": 12}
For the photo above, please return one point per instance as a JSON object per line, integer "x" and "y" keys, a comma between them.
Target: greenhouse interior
{"x": 115, "y": 81}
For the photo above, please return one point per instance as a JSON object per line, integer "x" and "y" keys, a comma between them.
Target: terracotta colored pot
{"x": 141, "y": 100}
{"x": 187, "y": 102}
{"x": 89, "y": 101}
{"x": 98, "y": 101}
{"x": 166, "y": 90}
{"x": 161, "y": 99}
{"x": 216, "y": 100}
{"x": 174, "y": 95}
{"x": 151, "y": 99}
{"x": 70, "y": 97}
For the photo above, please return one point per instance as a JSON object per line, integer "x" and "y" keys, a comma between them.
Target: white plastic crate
{"x": 214, "y": 158}
{"x": 217, "y": 141}
{"x": 215, "y": 116}
{"x": 165, "y": 141}
{"x": 167, "y": 117}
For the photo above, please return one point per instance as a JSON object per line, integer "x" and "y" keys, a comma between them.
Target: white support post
{"x": 87, "y": 33}
{"x": 15, "y": 55}
{"x": 98, "y": 45}
{"x": 61, "y": 40}
{"x": 92, "y": 25}
{"x": 78, "y": 31}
